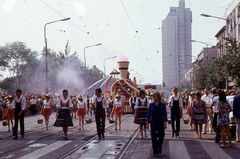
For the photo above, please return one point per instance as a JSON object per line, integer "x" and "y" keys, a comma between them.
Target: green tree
{"x": 18, "y": 60}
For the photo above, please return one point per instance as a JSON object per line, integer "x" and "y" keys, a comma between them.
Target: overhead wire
{"x": 137, "y": 35}
{"x": 77, "y": 27}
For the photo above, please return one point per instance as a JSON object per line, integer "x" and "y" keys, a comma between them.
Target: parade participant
{"x": 223, "y": 119}
{"x": 81, "y": 112}
{"x": 74, "y": 112}
{"x": 192, "y": 97}
{"x": 92, "y": 108}
{"x": 110, "y": 107}
{"x": 236, "y": 114}
{"x": 198, "y": 114}
{"x": 33, "y": 105}
{"x": 118, "y": 110}
{"x": 215, "y": 106}
{"x": 157, "y": 116}
{"x": 10, "y": 111}
{"x": 175, "y": 103}
{"x": 87, "y": 103}
{"x": 141, "y": 109}
{"x": 47, "y": 109}
{"x": 63, "y": 113}
{"x": 207, "y": 98}
{"x": 100, "y": 103}
{"x": 123, "y": 99}
{"x": 132, "y": 102}
{"x": 19, "y": 108}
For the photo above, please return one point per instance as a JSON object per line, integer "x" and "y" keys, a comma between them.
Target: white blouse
{"x": 10, "y": 106}
{"x": 118, "y": 103}
{"x": 80, "y": 104}
{"x": 64, "y": 101}
{"x": 46, "y": 104}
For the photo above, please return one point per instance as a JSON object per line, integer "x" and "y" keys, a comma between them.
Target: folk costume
{"x": 46, "y": 109}
{"x": 176, "y": 104}
{"x": 100, "y": 103}
{"x": 157, "y": 115}
{"x": 141, "y": 109}
{"x": 64, "y": 117}
{"x": 118, "y": 107}
{"x": 20, "y": 104}
{"x": 10, "y": 110}
{"x": 81, "y": 111}
{"x": 132, "y": 102}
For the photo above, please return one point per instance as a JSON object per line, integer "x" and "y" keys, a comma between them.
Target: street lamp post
{"x": 203, "y": 51}
{"x": 86, "y": 48}
{"x": 104, "y": 63}
{"x": 45, "y": 38}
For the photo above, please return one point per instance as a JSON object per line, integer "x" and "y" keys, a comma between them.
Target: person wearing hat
{"x": 118, "y": 110}
{"x": 81, "y": 111}
{"x": 10, "y": 111}
{"x": 47, "y": 109}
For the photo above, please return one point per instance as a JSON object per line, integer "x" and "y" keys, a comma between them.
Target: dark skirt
{"x": 141, "y": 116}
{"x": 64, "y": 118}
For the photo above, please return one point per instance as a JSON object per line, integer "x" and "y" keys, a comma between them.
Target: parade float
{"x": 124, "y": 85}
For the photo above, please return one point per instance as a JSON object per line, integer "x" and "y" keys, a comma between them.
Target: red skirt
{"x": 81, "y": 112}
{"x": 117, "y": 110}
{"x": 10, "y": 113}
{"x": 46, "y": 112}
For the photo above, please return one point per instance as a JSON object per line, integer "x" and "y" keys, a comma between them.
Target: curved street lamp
{"x": 104, "y": 63}
{"x": 85, "y": 49}
{"x": 45, "y": 38}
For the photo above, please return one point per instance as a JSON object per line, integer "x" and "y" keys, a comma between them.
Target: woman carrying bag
{"x": 198, "y": 114}
{"x": 157, "y": 114}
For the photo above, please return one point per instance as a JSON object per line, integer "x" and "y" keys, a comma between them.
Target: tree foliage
{"x": 28, "y": 70}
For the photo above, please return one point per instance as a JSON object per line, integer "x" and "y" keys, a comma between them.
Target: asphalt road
{"x": 39, "y": 143}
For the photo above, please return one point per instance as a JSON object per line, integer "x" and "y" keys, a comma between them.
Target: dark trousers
{"x": 133, "y": 110}
{"x": 216, "y": 128}
{"x": 175, "y": 116}
{"x": 33, "y": 109}
{"x": 15, "y": 129}
{"x": 157, "y": 136}
{"x": 100, "y": 122}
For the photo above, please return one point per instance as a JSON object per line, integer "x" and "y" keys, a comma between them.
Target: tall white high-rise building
{"x": 176, "y": 47}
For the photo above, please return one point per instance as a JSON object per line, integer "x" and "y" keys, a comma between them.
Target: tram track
{"x": 50, "y": 134}
{"x": 85, "y": 144}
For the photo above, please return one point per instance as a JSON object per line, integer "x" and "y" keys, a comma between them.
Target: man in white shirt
{"x": 175, "y": 102}
{"x": 33, "y": 105}
{"x": 100, "y": 104}
{"x": 207, "y": 98}
{"x": 19, "y": 108}
{"x": 132, "y": 102}
{"x": 214, "y": 106}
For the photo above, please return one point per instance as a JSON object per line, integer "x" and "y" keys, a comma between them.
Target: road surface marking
{"x": 178, "y": 150}
{"x": 214, "y": 150}
{"x": 45, "y": 150}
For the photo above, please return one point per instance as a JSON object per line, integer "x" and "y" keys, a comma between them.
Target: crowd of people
{"x": 207, "y": 110}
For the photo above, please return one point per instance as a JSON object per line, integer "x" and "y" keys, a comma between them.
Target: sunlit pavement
{"x": 39, "y": 143}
